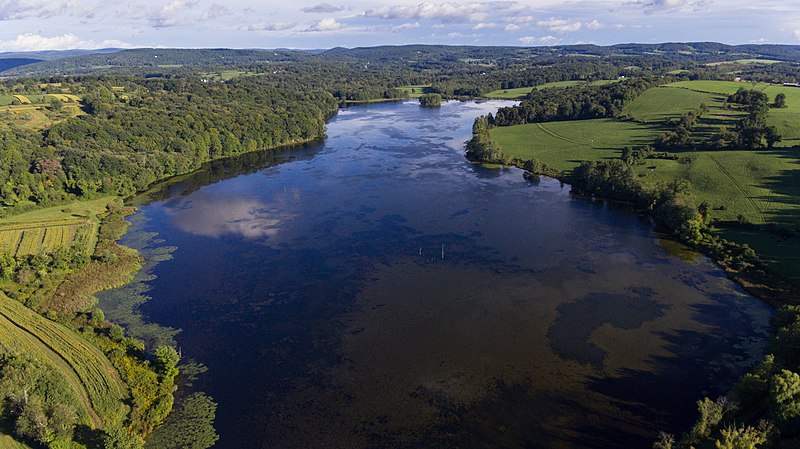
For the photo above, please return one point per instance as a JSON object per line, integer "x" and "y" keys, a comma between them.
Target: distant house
{"x": 738, "y": 79}
{"x": 791, "y": 84}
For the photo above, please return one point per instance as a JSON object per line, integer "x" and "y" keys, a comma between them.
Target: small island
{"x": 430, "y": 100}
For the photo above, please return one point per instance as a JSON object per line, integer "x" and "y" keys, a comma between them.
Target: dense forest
{"x": 160, "y": 128}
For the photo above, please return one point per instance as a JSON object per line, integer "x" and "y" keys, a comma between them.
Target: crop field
{"x": 45, "y": 237}
{"x": 87, "y": 369}
{"x": 563, "y": 145}
{"x": 52, "y": 228}
{"x": 663, "y": 103}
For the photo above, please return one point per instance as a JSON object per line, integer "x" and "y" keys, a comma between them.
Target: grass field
{"x": 416, "y": 91}
{"x": 663, "y": 103}
{"x": 787, "y": 119}
{"x": 87, "y": 370}
{"x": 760, "y": 186}
{"x": 53, "y": 227}
{"x": 520, "y": 92}
{"x": 6, "y": 442}
{"x": 563, "y": 145}
{"x": 745, "y": 62}
{"x": 509, "y": 94}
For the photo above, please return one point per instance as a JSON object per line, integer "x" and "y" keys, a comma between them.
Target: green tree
{"x": 780, "y": 101}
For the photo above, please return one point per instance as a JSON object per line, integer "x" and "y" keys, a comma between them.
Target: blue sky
{"x": 57, "y": 25}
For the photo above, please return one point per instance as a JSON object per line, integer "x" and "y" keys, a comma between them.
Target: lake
{"x": 376, "y": 290}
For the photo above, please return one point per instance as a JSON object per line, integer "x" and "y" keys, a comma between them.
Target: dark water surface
{"x": 376, "y": 290}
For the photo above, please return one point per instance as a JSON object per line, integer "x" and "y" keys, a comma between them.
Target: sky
{"x": 27, "y": 25}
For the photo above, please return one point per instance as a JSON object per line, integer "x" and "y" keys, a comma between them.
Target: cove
{"x": 376, "y": 290}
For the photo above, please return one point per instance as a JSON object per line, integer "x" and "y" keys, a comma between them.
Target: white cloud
{"x": 595, "y": 25}
{"x": 266, "y": 26}
{"x": 325, "y": 8}
{"x": 523, "y": 19}
{"x": 797, "y": 34}
{"x": 455, "y": 35}
{"x": 214, "y": 11}
{"x": 405, "y": 27}
{"x": 40, "y": 9}
{"x": 36, "y": 42}
{"x": 666, "y": 6}
{"x": 485, "y": 26}
{"x": 560, "y": 25}
{"x": 512, "y": 27}
{"x": 529, "y": 40}
{"x": 445, "y": 12}
{"x": 326, "y": 24}
{"x": 172, "y": 14}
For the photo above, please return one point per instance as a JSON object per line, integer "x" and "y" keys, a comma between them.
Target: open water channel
{"x": 376, "y": 290}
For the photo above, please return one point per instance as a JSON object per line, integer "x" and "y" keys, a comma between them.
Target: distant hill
{"x": 10, "y": 63}
{"x": 48, "y": 55}
{"x": 164, "y": 61}
{"x": 155, "y": 59}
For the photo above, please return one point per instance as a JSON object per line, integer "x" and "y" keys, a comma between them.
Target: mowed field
{"x": 757, "y": 186}
{"x": 48, "y": 229}
{"x": 663, "y": 103}
{"x": 563, "y": 145}
{"x": 93, "y": 379}
{"x": 416, "y": 90}
{"x": 520, "y": 92}
{"x": 6, "y": 442}
{"x": 787, "y": 119}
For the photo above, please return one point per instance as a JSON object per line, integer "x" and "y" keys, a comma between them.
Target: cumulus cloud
{"x": 594, "y": 25}
{"x": 325, "y": 8}
{"x": 36, "y": 42}
{"x": 797, "y": 34}
{"x": 530, "y": 40}
{"x": 172, "y": 14}
{"x": 512, "y": 27}
{"x": 560, "y": 25}
{"x": 326, "y": 24}
{"x": 214, "y": 11}
{"x": 485, "y": 26}
{"x": 450, "y": 12}
{"x": 40, "y": 9}
{"x": 665, "y": 6}
{"x": 266, "y": 26}
{"x": 405, "y": 27}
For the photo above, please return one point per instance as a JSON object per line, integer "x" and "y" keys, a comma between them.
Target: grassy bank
{"x": 754, "y": 194}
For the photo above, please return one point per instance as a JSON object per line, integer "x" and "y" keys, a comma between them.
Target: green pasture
{"x": 509, "y": 94}
{"x": 416, "y": 90}
{"x": 563, "y": 145}
{"x": 663, "y": 103}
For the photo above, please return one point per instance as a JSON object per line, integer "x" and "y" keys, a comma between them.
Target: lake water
{"x": 378, "y": 291}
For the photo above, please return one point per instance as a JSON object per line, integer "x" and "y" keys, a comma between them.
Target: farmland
{"x": 86, "y": 369}
{"x": 33, "y": 111}
{"x": 755, "y": 187}
{"x": 48, "y": 229}
{"x": 520, "y": 92}
{"x": 563, "y": 145}
{"x": 416, "y": 90}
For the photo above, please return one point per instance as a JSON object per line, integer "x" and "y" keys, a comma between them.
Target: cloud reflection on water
{"x": 217, "y": 214}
